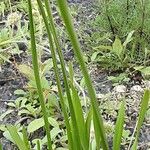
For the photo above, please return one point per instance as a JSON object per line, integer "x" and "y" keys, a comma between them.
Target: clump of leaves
{"x": 117, "y": 20}
{"x": 115, "y": 57}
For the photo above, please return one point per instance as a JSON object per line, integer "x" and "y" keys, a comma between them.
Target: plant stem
{"x": 50, "y": 31}
{"x": 37, "y": 76}
{"x": 143, "y": 17}
{"x": 109, "y": 19}
{"x": 127, "y": 11}
{"x": 76, "y": 46}
{"x": 62, "y": 62}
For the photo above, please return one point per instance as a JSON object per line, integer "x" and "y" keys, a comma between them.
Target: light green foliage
{"x": 2, "y": 8}
{"x": 144, "y": 70}
{"x": 119, "y": 127}
{"x": 142, "y": 112}
{"x": 11, "y": 33}
{"x": 119, "y": 19}
{"x": 121, "y": 78}
{"x": 116, "y": 56}
{"x": 16, "y": 138}
{"x": 124, "y": 15}
{"x": 2, "y": 116}
{"x": 38, "y": 123}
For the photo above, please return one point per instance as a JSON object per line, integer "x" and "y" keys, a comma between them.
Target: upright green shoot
{"x": 1, "y": 147}
{"x": 50, "y": 30}
{"x": 143, "y": 109}
{"x": 98, "y": 123}
{"x": 25, "y": 138}
{"x": 37, "y": 76}
{"x": 16, "y": 137}
{"x": 119, "y": 127}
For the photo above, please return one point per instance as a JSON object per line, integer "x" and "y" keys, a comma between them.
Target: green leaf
{"x": 117, "y": 47}
{"x": 1, "y": 147}
{"x": 54, "y": 132}
{"x": 143, "y": 70}
{"x": 103, "y": 47}
{"x": 7, "y": 135}
{"x": 20, "y": 92}
{"x": 146, "y": 71}
{"x": 35, "y": 125}
{"x": 128, "y": 39}
{"x": 16, "y": 137}
{"x": 11, "y": 104}
{"x": 2, "y": 127}
{"x": 5, "y": 58}
{"x": 65, "y": 13}
{"x": 142, "y": 112}
{"x": 61, "y": 148}
{"x": 135, "y": 144}
{"x": 25, "y": 138}
{"x": 38, "y": 123}
{"x": 94, "y": 56}
{"x": 5, "y": 114}
{"x": 119, "y": 127}
{"x": 88, "y": 124}
{"x": 38, "y": 145}
{"x": 24, "y": 111}
{"x": 80, "y": 118}
{"x": 26, "y": 70}
{"x": 139, "y": 68}
{"x": 44, "y": 83}
{"x": 53, "y": 122}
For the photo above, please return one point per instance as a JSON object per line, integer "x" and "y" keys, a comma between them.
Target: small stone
{"x": 120, "y": 89}
{"x": 136, "y": 88}
{"x": 136, "y": 92}
{"x": 100, "y": 96}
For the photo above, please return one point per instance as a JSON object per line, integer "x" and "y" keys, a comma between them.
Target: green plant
{"x": 117, "y": 19}
{"x": 77, "y": 122}
{"x": 115, "y": 57}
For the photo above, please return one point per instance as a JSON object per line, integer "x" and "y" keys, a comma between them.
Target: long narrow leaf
{"x": 16, "y": 138}
{"x": 37, "y": 76}
{"x": 38, "y": 145}
{"x": 1, "y": 147}
{"x": 88, "y": 125}
{"x": 76, "y": 46}
{"x": 143, "y": 110}
{"x": 80, "y": 118}
{"x": 75, "y": 129}
{"x": 78, "y": 111}
{"x": 25, "y": 138}
{"x": 61, "y": 58}
{"x": 119, "y": 127}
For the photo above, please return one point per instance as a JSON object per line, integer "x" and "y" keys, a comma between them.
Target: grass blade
{"x": 1, "y": 147}
{"x": 76, "y": 46}
{"x": 72, "y": 113}
{"x": 25, "y": 138}
{"x": 37, "y": 76}
{"x": 80, "y": 118}
{"x": 16, "y": 138}
{"x": 144, "y": 106}
{"x": 78, "y": 111}
{"x": 88, "y": 125}
{"x": 119, "y": 127}
{"x": 38, "y": 145}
